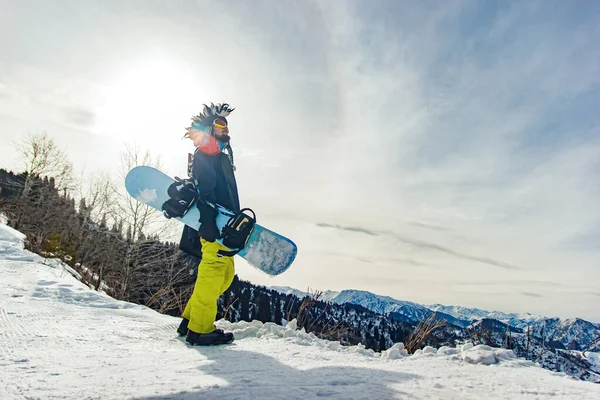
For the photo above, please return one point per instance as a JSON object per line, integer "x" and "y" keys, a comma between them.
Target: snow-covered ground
{"x": 59, "y": 339}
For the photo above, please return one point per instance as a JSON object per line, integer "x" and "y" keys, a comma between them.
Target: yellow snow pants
{"x": 215, "y": 274}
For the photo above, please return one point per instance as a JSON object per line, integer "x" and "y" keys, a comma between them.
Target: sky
{"x": 137, "y": 353}
{"x": 437, "y": 152}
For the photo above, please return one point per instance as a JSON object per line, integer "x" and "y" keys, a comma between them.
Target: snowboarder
{"x": 212, "y": 169}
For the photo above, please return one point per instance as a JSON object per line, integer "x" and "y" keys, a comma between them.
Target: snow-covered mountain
{"x": 288, "y": 290}
{"x": 399, "y": 309}
{"x": 572, "y": 333}
{"x": 470, "y": 314}
{"x": 379, "y": 304}
{"x": 575, "y": 334}
{"x": 327, "y": 295}
{"x": 490, "y": 324}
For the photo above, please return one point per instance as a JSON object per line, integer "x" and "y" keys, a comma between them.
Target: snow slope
{"x": 59, "y": 339}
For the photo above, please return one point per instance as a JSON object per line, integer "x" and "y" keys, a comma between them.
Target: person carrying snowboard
{"x": 212, "y": 169}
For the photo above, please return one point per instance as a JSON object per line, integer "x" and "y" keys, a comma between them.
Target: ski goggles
{"x": 219, "y": 123}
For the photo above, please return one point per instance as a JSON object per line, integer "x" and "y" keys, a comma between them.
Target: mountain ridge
{"x": 568, "y": 333}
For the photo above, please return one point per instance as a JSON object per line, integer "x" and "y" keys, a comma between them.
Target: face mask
{"x": 223, "y": 139}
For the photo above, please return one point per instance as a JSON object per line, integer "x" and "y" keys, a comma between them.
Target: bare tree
{"x": 40, "y": 210}
{"x": 478, "y": 334}
{"x": 306, "y": 306}
{"x": 143, "y": 220}
{"x": 42, "y": 157}
{"x": 419, "y": 335}
{"x": 105, "y": 194}
{"x": 543, "y": 349}
{"x": 97, "y": 191}
{"x": 508, "y": 334}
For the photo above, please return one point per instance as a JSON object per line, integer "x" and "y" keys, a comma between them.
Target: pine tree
{"x": 278, "y": 314}
{"x": 245, "y": 305}
{"x": 264, "y": 308}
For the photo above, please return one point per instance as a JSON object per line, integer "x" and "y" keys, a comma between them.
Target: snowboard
{"x": 265, "y": 250}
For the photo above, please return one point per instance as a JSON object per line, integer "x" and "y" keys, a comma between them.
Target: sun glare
{"x": 148, "y": 99}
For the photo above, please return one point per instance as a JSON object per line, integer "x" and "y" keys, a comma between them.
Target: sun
{"x": 147, "y": 99}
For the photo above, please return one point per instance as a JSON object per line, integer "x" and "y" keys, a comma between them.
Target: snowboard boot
{"x": 207, "y": 339}
{"x": 183, "y": 327}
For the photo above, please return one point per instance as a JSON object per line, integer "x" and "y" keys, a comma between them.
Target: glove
{"x": 209, "y": 231}
{"x": 181, "y": 198}
{"x": 208, "y": 222}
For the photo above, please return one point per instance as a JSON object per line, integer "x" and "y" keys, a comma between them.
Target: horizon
{"x": 440, "y": 304}
{"x": 439, "y": 152}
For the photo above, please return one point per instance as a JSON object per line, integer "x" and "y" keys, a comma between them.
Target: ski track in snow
{"x": 59, "y": 339}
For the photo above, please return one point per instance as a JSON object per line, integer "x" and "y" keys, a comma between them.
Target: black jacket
{"x": 215, "y": 179}
{"x": 216, "y": 183}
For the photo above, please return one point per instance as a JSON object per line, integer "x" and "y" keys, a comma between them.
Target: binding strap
{"x": 237, "y": 232}
{"x": 182, "y": 195}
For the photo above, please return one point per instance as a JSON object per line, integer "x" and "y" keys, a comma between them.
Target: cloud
{"x": 377, "y": 259}
{"x": 79, "y": 116}
{"x": 529, "y": 294}
{"x": 4, "y": 92}
{"x": 520, "y": 282}
{"x": 347, "y": 228}
{"x": 429, "y": 226}
{"x": 425, "y": 245}
{"x": 433, "y": 246}
{"x": 586, "y": 239}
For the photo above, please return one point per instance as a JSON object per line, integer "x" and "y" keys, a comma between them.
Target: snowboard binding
{"x": 237, "y": 232}
{"x": 182, "y": 195}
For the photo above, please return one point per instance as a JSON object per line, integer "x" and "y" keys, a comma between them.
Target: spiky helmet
{"x": 209, "y": 114}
